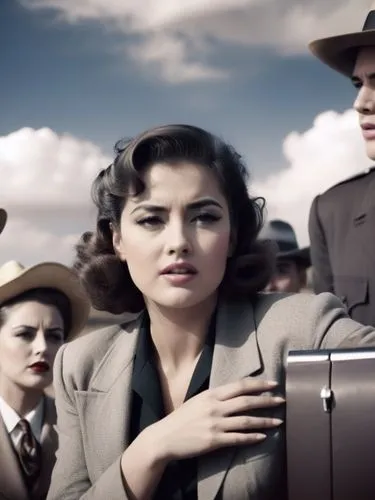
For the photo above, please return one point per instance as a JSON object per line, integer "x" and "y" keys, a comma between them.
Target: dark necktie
{"x": 29, "y": 454}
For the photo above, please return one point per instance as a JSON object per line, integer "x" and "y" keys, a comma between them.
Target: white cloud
{"x": 171, "y": 54}
{"x": 40, "y": 168}
{"x": 170, "y": 31}
{"x": 53, "y": 173}
{"x": 30, "y": 244}
{"x": 45, "y": 184}
{"x": 329, "y": 152}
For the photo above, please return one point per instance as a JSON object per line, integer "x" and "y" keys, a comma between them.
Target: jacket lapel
{"x": 236, "y": 355}
{"x": 110, "y": 388}
{"x": 12, "y": 485}
{"x": 48, "y": 443}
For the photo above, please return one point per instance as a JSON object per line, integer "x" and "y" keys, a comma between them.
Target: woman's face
{"x": 30, "y": 335}
{"x": 175, "y": 236}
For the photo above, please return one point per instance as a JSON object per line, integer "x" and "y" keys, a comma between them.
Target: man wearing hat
{"x": 292, "y": 261}
{"x": 342, "y": 220}
{"x": 3, "y": 219}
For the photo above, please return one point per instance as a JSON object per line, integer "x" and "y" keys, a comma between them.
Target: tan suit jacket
{"x": 12, "y": 486}
{"x": 93, "y": 389}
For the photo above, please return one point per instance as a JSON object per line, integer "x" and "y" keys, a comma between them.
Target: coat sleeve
{"x": 70, "y": 479}
{"x": 332, "y": 328}
{"x": 322, "y": 271}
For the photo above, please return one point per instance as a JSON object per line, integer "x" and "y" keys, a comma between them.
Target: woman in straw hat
{"x": 40, "y": 308}
{"x": 167, "y": 406}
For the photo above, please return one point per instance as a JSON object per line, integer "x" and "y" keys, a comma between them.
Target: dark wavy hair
{"x": 106, "y": 278}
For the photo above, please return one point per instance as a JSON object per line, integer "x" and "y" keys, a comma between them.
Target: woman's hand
{"x": 215, "y": 419}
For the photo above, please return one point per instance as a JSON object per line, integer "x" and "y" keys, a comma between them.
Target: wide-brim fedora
{"x": 282, "y": 234}
{"x": 15, "y": 279}
{"x": 3, "y": 219}
{"x": 340, "y": 52}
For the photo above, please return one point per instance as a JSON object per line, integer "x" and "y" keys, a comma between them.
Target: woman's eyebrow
{"x": 202, "y": 203}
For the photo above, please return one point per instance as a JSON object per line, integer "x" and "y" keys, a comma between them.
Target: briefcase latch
{"x": 326, "y": 395}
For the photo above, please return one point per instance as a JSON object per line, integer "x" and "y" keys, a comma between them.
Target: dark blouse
{"x": 179, "y": 480}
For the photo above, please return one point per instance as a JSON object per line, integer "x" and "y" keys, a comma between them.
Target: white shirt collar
{"x": 34, "y": 417}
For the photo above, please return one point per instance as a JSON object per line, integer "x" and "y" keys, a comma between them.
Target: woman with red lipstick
{"x": 40, "y": 308}
{"x": 185, "y": 401}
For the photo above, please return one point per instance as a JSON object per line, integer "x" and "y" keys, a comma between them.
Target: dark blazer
{"x": 342, "y": 237}
{"x": 93, "y": 374}
{"x": 12, "y": 486}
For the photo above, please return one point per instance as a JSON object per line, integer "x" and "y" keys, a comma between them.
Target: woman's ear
{"x": 117, "y": 243}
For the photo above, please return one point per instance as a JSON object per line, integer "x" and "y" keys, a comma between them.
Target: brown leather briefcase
{"x": 330, "y": 424}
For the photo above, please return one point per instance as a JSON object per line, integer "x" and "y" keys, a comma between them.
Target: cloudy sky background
{"x": 78, "y": 75}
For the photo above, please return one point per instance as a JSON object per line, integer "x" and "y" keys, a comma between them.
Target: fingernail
{"x": 279, "y": 399}
{"x": 260, "y": 437}
{"x": 272, "y": 383}
{"x": 277, "y": 421}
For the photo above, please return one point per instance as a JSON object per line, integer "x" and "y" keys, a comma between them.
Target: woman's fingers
{"x": 245, "y": 403}
{"x": 239, "y": 438}
{"x": 246, "y": 385}
{"x": 245, "y": 423}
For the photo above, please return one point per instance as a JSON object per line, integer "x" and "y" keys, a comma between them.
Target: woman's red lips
{"x": 40, "y": 366}
{"x": 367, "y": 126}
{"x": 179, "y": 268}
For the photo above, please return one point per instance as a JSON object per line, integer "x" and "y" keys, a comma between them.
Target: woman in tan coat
{"x": 186, "y": 401}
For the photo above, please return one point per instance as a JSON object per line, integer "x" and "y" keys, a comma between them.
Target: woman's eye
{"x": 56, "y": 337}
{"x": 150, "y": 221}
{"x": 25, "y": 334}
{"x": 207, "y": 218}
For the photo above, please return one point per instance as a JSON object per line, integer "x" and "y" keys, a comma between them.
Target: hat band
{"x": 287, "y": 246}
{"x": 370, "y": 21}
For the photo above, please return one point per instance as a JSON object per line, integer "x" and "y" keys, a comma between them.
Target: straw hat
{"x": 15, "y": 279}
{"x": 340, "y": 52}
{"x": 3, "y": 219}
{"x": 282, "y": 233}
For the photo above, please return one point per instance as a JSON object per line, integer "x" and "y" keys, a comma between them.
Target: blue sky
{"x": 73, "y": 79}
{"x": 78, "y": 77}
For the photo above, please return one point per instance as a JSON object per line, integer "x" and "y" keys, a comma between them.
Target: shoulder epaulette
{"x": 353, "y": 177}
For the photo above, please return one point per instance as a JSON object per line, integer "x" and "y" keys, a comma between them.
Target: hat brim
{"x": 340, "y": 52}
{"x": 301, "y": 255}
{"x": 3, "y": 219}
{"x": 56, "y": 276}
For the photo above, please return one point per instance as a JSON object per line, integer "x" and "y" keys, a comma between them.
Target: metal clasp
{"x": 326, "y": 395}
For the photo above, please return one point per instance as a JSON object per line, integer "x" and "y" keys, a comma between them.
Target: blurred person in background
{"x": 40, "y": 308}
{"x": 342, "y": 220}
{"x": 292, "y": 262}
{"x": 3, "y": 219}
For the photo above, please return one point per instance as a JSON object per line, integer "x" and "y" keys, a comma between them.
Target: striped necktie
{"x": 29, "y": 453}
